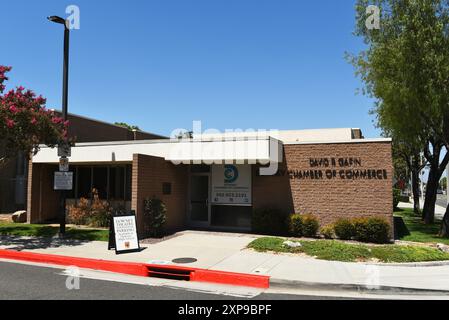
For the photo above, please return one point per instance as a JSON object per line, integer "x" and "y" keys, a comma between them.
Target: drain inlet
{"x": 169, "y": 273}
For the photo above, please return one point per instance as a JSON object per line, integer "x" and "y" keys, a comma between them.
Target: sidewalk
{"x": 227, "y": 252}
{"x": 439, "y": 210}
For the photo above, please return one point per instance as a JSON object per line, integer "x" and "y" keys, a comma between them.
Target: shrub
{"x": 328, "y": 231}
{"x": 78, "y": 214}
{"x": 269, "y": 221}
{"x": 344, "y": 229}
{"x": 310, "y": 225}
{"x": 375, "y": 230}
{"x": 96, "y": 213}
{"x": 396, "y": 198}
{"x": 100, "y": 212}
{"x": 295, "y": 225}
{"x": 155, "y": 213}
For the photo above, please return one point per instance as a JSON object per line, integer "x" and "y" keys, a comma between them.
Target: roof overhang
{"x": 262, "y": 150}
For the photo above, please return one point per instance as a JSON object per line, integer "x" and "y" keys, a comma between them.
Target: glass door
{"x": 199, "y": 200}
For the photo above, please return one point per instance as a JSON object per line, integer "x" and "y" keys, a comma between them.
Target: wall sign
{"x": 335, "y": 168}
{"x": 63, "y": 181}
{"x": 231, "y": 185}
{"x": 123, "y": 234}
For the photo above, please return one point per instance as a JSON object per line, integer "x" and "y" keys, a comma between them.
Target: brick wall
{"x": 330, "y": 199}
{"x": 42, "y": 200}
{"x": 149, "y": 173}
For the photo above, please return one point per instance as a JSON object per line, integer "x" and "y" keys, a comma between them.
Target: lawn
{"x": 413, "y": 229}
{"x": 46, "y": 231}
{"x": 341, "y": 251}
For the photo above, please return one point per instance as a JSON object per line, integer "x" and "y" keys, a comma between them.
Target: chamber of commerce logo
{"x": 231, "y": 173}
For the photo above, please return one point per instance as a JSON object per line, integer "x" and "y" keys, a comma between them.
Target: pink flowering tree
{"x": 25, "y": 123}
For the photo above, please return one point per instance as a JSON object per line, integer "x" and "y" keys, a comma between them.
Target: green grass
{"x": 340, "y": 251}
{"x": 415, "y": 230}
{"x": 38, "y": 230}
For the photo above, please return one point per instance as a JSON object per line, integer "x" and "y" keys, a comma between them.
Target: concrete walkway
{"x": 227, "y": 252}
{"x": 439, "y": 210}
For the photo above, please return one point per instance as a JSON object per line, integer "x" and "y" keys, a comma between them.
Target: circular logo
{"x": 231, "y": 173}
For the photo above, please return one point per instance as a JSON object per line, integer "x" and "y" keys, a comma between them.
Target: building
{"x": 14, "y": 174}
{"x": 215, "y": 181}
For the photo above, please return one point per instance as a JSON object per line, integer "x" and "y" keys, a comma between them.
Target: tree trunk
{"x": 444, "y": 232}
{"x": 431, "y": 195}
{"x": 415, "y": 188}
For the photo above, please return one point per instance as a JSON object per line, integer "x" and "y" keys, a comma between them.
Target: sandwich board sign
{"x": 63, "y": 181}
{"x": 123, "y": 234}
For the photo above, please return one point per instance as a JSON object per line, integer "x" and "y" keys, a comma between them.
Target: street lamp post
{"x": 65, "y": 101}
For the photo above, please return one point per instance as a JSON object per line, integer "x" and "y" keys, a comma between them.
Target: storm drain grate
{"x": 169, "y": 273}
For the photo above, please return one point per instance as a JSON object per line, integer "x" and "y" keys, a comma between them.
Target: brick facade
{"x": 330, "y": 181}
{"x": 330, "y": 198}
{"x": 148, "y": 175}
{"x": 89, "y": 130}
{"x": 42, "y": 201}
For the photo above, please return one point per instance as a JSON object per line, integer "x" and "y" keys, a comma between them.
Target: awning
{"x": 261, "y": 150}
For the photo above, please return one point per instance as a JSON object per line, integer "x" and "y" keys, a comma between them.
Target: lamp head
{"x": 56, "y": 19}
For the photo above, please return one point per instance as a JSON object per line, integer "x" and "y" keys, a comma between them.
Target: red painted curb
{"x": 144, "y": 270}
{"x": 131, "y": 268}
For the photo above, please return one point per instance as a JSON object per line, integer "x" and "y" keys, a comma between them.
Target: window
{"x": 166, "y": 188}
{"x": 116, "y": 183}
{"x": 100, "y": 181}
{"x": 112, "y": 182}
{"x": 84, "y": 182}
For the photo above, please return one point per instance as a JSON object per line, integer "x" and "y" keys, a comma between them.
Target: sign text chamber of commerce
{"x": 336, "y": 168}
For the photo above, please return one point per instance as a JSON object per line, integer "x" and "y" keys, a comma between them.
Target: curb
{"x": 413, "y": 264}
{"x": 297, "y": 284}
{"x": 143, "y": 269}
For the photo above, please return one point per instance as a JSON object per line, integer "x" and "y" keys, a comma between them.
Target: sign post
{"x": 63, "y": 181}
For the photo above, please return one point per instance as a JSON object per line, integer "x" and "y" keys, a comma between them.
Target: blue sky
{"x": 275, "y": 64}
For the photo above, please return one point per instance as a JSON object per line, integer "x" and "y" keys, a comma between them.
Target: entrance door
{"x": 199, "y": 200}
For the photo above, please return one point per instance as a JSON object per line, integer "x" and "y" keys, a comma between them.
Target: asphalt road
{"x": 28, "y": 282}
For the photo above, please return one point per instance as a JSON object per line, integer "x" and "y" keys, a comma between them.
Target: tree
{"x": 127, "y": 126}
{"x": 25, "y": 122}
{"x": 409, "y": 156}
{"x": 405, "y": 69}
{"x": 443, "y": 183}
{"x": 183, "y": 134}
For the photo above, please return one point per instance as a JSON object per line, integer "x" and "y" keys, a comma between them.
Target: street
{"x": 442, "y": 200}
{"x": 27, "y": 282}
